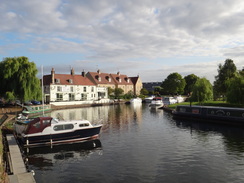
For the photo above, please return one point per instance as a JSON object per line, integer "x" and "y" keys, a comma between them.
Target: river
{"x": 139, "y": 144}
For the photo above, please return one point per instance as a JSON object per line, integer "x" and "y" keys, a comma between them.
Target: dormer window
{"x": 128, "y": 80}
{"x": 57, "y": 80}
{"x": 99, "y": 78}
{"x": 108, "y": 78}
{"x": 71, "y": 81}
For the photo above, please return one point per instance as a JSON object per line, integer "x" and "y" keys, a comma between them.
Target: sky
{"x": 149, "y": 38}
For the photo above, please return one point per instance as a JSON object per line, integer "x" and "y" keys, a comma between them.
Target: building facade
{"x": 128, "y": 84}
{"x": 71, "y": 87}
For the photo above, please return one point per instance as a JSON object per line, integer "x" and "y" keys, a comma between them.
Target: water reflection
{"x": 232, "y": 137}
{"x": 46, "y": 157}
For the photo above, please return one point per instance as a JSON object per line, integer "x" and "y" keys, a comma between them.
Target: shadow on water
{"x": 44, "y": 157}
{"x": 233, "y": 136}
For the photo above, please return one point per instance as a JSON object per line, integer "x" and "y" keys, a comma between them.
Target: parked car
{"x": 28, "y": 103}
{"x": 35, "y": 102}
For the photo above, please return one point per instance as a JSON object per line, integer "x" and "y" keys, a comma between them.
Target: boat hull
{"x": 234, "y": 116}
{"x": 61, "y": 138}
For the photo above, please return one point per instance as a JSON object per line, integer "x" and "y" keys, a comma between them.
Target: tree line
{"x": 228, "y": 85}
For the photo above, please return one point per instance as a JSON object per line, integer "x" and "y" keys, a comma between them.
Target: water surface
{"x": 138, "y": 144}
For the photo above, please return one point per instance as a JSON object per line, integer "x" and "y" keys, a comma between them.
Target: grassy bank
{"x": 209, "y": 103}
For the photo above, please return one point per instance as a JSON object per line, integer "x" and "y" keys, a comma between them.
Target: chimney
{"x": 52, "y": 73}
{"x": 72, "y": 72}
{"x": 98, "y": 71}
{"x": 118, "y": 73}
{"x": 83, "y": 73}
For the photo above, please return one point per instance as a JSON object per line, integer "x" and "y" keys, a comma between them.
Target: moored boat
{"x": 34, "y": 109}
{"x": 43, "y": 131}
{"x": 136, "y": 100}
{"x": 149, "y": 99}
{"x": 211, "y": 114}
{"x": 156, "y": 102}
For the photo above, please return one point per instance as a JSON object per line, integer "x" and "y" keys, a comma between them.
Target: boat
{"x": 35, "y": 109}
{"x": 136, "y": 100}
{"x": 43, "y": 131}
{"x": 157, "y": 102}
{"x": 149, "y": 99}
{"x": 211, "y": 114}
{"x": 169, "y": 100}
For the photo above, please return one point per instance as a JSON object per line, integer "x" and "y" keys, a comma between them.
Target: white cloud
{"x": 128, "y": 34}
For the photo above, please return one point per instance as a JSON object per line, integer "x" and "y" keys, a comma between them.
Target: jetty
{"x": 17, "y": 165}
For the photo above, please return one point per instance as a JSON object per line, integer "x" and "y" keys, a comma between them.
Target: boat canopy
{"x": 38, "y": 125}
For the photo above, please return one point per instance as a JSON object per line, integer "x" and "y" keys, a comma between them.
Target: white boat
{"x": 157, "y": 102}
{"x": 169, "y": 100}
{"x": 136, "y": 100}
{"x": 43, "y": 131}
{"x": 149, "y": 99}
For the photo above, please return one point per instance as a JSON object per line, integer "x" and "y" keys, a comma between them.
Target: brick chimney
{"x": 52, "y": 73}
{"x": 72, "y": 72}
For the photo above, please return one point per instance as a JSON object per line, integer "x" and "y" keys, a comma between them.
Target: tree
{"x": 190, "y": 82}
{"x": 225, "y": 73}
{"x": 202, "y": 91}
{"x": 235, "y": 92}
{"x": 18, "y": 79}
{"x": 118, "y": 92}
{"x": 144, "y": 91}
{"x": 173, "y": 84}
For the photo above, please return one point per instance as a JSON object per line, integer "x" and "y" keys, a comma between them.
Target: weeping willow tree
{"x": 18, "y": 79}
{"x": 202, "y": 91}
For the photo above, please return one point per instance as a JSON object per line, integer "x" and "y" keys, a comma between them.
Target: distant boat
{"x": 210, "y": 114}
{"x": 156, "y": 102}
{"x": 34, "y": 109}
{"x": 169, "y": 100}
{"x": 43, "y": 131}
{"x": 149, "y": 99}
{"x": 136, "y": 100}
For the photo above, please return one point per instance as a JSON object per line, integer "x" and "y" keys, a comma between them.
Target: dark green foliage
{"x": 235, "y": 93}
{"x": 118, "y": 92}
{"x": 144, "y": 91}
{"x": 18, "y": 77}
{"x": 225, "y": 73}
{"x": 202, "y": 91}
{"x": 173, "y": 84}
{"x": 190, "y": 82}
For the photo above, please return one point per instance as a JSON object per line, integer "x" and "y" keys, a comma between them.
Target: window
{"x": 59, "y": 88}
{"x": 71, "y": 97}
{"x": 92, "y": 89}
{"x": 63, "y": 127}
{"x": 72, "y": 89}
{"x": 83, "y": 96}
{"x": 84, "y": 89}
{"x": 84, "y": 124}
{"x": 59, "y": 96}
{"x": 37, "y": 125}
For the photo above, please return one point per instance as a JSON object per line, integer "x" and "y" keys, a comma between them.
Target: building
{"x": 71, "y": 87}
{"x": 137, "y": 85}
{"x": 151, "y": 85}
{"x": 128, "y": 84}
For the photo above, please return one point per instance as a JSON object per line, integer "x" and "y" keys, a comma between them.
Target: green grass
{"x": 209, "y": 103}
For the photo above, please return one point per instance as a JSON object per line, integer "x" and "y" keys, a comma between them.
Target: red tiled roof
{"x": 124, "y": 79}
{"x": 103, "y": 76}
{"x": 66, "y": 78}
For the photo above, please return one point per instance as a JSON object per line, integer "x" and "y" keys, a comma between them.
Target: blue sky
{"x": 152, "y": 38}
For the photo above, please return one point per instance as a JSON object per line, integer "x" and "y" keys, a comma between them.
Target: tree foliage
{"x": 202, "y": 91}
{"x": 190, "y": 82}
{"x": 235, "y": 93}
{"x": 18, "y": 78}
{"x": 173, "y": 84}
{"x": 144, "y": 91}
{"x": 118, "y": 92}
{"x": 225, "y": 73}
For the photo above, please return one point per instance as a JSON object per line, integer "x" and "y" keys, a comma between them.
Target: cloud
{"x": 127, "y": 35}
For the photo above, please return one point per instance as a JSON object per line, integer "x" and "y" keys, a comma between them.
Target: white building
{"x": 71, "y": 88}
